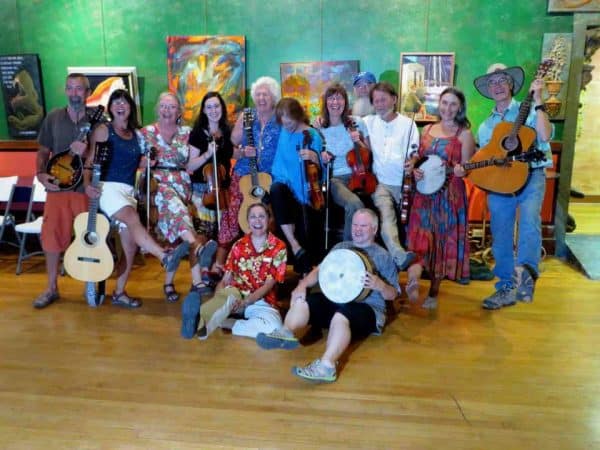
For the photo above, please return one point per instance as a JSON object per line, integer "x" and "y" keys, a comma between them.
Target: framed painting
{"x": 105, "y": 80}
{"x": 23, "y": 94}
{"x": 557, "y": 47}
{"x": 200, "y": 64}
{"x": 574, "y": 6}
{"x": 306, "y": 81}
{"x": 423, "y": 76}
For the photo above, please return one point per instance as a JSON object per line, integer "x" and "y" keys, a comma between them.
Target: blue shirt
{"x": 510, "y": 115}
{"x": 266, "y": 145}
{"x": 124, "y": 158}
{"x": 288, "y": 167}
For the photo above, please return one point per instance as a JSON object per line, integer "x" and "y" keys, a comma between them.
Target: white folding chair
{"x": 32, "y": 225}
{"x": 7, "y": 192}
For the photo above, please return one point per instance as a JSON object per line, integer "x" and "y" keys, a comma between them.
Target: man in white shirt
{"x": 393, "y": 139}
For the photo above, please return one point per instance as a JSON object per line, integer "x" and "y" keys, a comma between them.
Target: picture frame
{"x": 23, "y": 94}
{"x": 106, "y": 79}
{"x": 573, "y": 6}
{"x": 307, "y": 81}
{"x": 423, "y": 76}
{"x": 200, "y": 64}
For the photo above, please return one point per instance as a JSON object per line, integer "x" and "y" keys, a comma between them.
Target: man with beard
{"x": 394, "y": 138}
{"x": 363, "y": 82}
{"x": 59, "y": 131}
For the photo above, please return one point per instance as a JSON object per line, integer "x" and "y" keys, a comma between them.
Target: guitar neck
{"x": 250, "y": 143}
{"x": 523, "y": 113}
{"x": 94, "y": 203}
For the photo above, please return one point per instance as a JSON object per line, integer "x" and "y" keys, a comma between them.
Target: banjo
{"x": 436, "y": 171}
{"x": 341, "y": 275}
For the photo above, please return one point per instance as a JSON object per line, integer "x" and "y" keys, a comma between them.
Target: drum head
{"x": 341, "y": 275}
{"x": 434, "y": 175}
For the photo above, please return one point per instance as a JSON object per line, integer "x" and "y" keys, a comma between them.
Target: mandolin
{"x": 508, "y": 139}
{"x": 254, "y": 186}
{"x": 67, "y": 167}
{"x": 88, "y": 257}
{"x": 362, "y": 180}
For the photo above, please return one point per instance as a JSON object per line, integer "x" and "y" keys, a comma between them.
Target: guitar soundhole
{"x": 91, "y": 238}
{"x": 258, "y": 192}
{"x": 511, "y": 144}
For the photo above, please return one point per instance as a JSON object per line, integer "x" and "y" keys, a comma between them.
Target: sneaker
{"x": 409, "y": 258}
{"x": 317, "y": 372}
{"x": 280, "y": 338}
{"x": 504, "y": 296}
{"x": 524, "y": 279}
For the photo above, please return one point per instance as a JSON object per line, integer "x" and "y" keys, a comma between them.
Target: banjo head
{"x": 434, "y": 175}
{"x": 341, "y": 275}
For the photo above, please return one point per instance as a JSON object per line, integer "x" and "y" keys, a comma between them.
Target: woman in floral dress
{"x": 173, "y": 196}
{"x": 437, "y": 229}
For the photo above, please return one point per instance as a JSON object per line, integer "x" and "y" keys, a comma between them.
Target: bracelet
{"x": 541, "y": 107}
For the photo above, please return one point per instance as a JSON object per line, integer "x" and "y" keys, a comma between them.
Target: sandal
{"x": 171, "y": 295}
{"x": 202, "y": 288}
{"x": 412, "y": 289}
{"x": 45, "y": 299}
{"x": 125, "y": 300}
{"x": 203, "y": 254}
{"x": 173, "y": 257}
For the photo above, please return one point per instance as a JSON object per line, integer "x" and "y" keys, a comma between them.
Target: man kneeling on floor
{"x": 255, "y": 264}
{"x": 346, "y": 321}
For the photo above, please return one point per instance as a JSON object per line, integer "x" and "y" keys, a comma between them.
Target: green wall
{"x": 132, "y": 33}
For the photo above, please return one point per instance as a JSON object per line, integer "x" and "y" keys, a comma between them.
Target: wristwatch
{"x": 541, "y": 107}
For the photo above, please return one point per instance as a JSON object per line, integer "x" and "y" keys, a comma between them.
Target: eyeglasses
{"x": 497, "y": 81}
{"x": 120, "y": 102}
{"x": 335, "y": 98}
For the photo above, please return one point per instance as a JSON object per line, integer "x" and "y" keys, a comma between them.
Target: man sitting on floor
{"x": 347, "y": 320}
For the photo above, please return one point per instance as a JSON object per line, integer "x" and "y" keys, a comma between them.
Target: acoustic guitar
{"x": 255, "y": 185}
{"x": 508, "y": 139}
{"x": 88, "y": 258}
{"x": 67, "y": 167}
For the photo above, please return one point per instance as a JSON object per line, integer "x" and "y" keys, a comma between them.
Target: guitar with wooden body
{"x": 256, "y": 185}
{"x": 88, "y": 258}
{"x": 67, "y": 167}
{"x": 508, "y": 139}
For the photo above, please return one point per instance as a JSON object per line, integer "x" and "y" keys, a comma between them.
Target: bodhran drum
{"x": 341, "y": 275}
{"x": 434, "y": 174}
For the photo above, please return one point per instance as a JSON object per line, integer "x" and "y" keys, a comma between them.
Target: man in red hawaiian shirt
{"x": 256, "y": 263}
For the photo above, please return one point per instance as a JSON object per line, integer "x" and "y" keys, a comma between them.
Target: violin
{"x": 313, "y": 176}
{"x": 217, "y": 195}
{"x": 362, "y": 180}
{"x": 407, "y": 191}
{"x": 146, "y": 193}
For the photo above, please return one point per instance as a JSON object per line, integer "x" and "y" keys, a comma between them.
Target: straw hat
{"x": 515, "y": 72}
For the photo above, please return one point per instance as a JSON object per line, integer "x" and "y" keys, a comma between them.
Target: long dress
{"x": 174, "y": 192}
{"x": 437, "y": 228}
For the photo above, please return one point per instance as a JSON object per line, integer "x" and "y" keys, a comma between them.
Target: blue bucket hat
{"x": 367, "y": 77}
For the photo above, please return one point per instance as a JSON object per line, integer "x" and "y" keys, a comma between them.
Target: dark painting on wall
{"x": 23, "y": 94}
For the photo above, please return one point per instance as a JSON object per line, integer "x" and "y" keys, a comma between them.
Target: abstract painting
{"x": 23, "y": 94}
{"x": 200, "y": 64}
{"x": 423, "y": 77}
{"x": 573, "y": 6}
{"x": 307, "y": 81}
{"x": 105, "y": 80}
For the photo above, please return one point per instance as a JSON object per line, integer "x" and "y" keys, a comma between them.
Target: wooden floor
{"x": 526, "y": 377}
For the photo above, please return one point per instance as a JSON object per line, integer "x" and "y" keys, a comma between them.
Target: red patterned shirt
{"x": 251, "y": 268}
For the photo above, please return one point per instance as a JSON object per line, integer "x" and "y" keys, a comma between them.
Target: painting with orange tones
{"x": 105, "y": 80}
{"x": 573, "y": 6}
{"x": 307, "y": 81}
{"x": 200, "y": 64}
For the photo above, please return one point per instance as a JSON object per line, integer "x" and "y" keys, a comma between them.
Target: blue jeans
{"x": 503, "y": 211}
{"x": 347, "y": 199}
{"x": 388, "y": 200}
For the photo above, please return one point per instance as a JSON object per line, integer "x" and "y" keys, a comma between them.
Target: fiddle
{"x": 147, "y": 186}
{"x": 313, "y": 176}
{"x": 358, "y": 158}
{"x": 407, "y": 188}
{"x": 217, "y": 195}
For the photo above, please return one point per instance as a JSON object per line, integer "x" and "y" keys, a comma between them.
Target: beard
{"x": 76, "y": 103}
{"x": 362, "y": 107}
